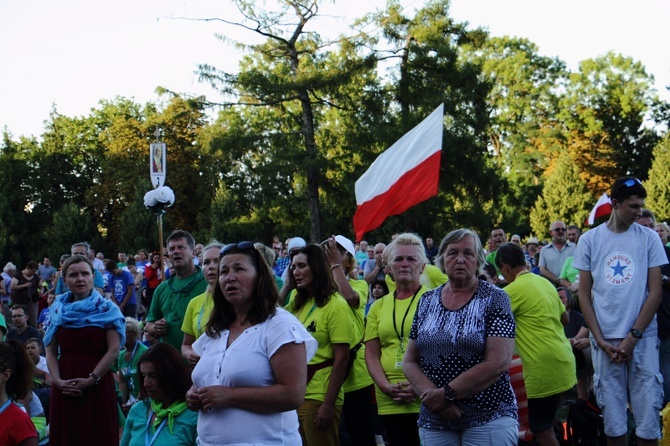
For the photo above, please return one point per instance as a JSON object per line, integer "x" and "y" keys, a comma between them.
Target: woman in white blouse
{"x": 253, "y": 368}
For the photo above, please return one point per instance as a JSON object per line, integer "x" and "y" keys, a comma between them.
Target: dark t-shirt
{"x": 26, "y": 295}
{"x": 29, "y": 332}
{"x": 431, "y": 253}
{"x": 576, "y": 323}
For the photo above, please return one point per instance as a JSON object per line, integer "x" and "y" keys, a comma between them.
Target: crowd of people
{"x": 407, "y": 342}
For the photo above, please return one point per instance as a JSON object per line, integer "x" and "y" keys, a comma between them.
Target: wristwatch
{"x": 449, "y": 393}
{"x": 637, "y": 334}
{"x": 96, "y": 378}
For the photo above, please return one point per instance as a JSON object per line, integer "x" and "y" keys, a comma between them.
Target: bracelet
{"x": 335, "y": 266}
{"x": 95, "y": 377}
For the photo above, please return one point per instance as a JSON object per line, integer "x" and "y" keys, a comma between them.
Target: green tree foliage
{"x": 288, "y": 81}
{"x": 603, "y": 112}
{"x": 522, "y": 104}
{"x": 424, "y": 70}
{"x": 17, "y": 228}
{"x": 138, "y": 227}
{"x": 303, "y": 118}
{"x": 657, "y": 185}
{"x": 565, "y": 197}
{"x": 523, "y": 97}
{"x": 191, "y": 171}
{"x": 69, "y": 224}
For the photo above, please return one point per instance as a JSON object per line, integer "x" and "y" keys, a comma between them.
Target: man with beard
{"x": 170, "y": 299}
{"x": 553, "y": 256}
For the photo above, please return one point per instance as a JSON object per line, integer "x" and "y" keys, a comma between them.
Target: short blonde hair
{"x": 133, "y": 325}
{"x": 407, "y": 239}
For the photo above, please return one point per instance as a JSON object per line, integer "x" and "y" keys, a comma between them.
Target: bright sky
{"x": 73, "y": 53}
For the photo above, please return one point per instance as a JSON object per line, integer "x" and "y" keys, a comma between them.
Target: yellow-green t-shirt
{"x": 380, "y": 326}
{"x": 197, "y": 315}
{"x": 546, "y": 354}
{"x": 359, "y": 377}
{"x": 330, "y": 324}
{"x": 432, "y": 277}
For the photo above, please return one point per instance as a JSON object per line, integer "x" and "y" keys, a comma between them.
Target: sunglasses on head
{"x": 628, "y": 183}
{"x": 241, "y": 246}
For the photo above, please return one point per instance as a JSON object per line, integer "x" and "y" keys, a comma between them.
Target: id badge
{"x": 399, "y": 357}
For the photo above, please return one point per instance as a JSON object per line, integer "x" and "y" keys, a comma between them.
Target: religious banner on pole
{"x": 157, "y": 164}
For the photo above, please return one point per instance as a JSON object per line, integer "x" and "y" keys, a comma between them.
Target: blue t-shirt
{"x": 107, "y": 280}
{"x": 118, "y": 285}
{"x": 44, "y": 318}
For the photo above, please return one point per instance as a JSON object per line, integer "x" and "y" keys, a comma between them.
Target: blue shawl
{"x": 93, "y": 311}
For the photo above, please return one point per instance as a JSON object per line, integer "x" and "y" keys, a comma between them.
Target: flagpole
{"x": 160, "y": 244}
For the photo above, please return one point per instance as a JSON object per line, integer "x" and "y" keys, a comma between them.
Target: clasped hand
{"x": 620, "y": 353}
{"x": 207, "y": 398}
{"x": 401, "y": 392}
{"x": 433, "y": 400}
{"x": 580, "y": 344}
{"x": 73, "y": 387}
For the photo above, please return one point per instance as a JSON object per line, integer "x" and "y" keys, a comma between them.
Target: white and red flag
{"x": 603, "y": 207}
{"x": 406, "y": 174}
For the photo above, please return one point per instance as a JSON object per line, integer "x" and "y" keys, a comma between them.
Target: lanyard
{"x": 130, "y": 362}
{"x": 5, "y": 405}
{"x": 401, "y": 335}
{"x": 148, "y": 442}
{"x": 310, "y": 312}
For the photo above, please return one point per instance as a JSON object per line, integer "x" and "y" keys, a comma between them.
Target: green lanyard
{"x": 308, "y": 313}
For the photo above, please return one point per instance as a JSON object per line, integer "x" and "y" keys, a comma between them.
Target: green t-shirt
{"x": 197, "y": 315}
{"x": 380, "y": 326}
{"x": 3, "y": 326}
{"x": 359, "y": 377}
{"x": 546, "y": 354}
{"x": 170, "y": 301}
{"x": 330, "y": 324}
{"x": 491, "y": 258}
{"x": 568, "y": 272}
{"x": 129, "y": 369}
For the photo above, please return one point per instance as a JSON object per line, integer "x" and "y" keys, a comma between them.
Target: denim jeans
{"x": 499, "y": 432}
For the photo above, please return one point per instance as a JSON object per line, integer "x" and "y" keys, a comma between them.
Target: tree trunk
{"x": 313, "y": 166}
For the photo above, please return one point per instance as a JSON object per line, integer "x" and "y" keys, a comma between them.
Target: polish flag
{"x": 405, "y": 174}
{"x": 602, "y": 207}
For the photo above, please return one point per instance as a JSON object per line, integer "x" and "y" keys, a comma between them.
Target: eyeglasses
{"x": 628, "y": 183}
{"x": 241, "y": 246}
{"x": 558, "y": 229}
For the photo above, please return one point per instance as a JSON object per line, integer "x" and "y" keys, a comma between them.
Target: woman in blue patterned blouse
{"x": 459, "y": 351}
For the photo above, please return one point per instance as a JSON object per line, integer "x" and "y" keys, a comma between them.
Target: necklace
{"x": 522, "y": 272}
